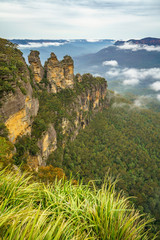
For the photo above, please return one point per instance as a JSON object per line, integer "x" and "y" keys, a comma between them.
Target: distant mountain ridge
{"x": 148, "y": 41}
{"x": 61, "y": 47}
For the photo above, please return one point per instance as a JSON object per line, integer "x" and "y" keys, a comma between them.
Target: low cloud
{"x": 131, "y": 82}
{"x": 120, "y": 105}
{"x": 40, "y": 44}
{"x": 93, "y": 40}
{"x": 112, "y": 63}
{"x": 132, "y": 76}
{"x": 142, "y": 73}
{"x": 113, "y": 72}
{"x": 141, "y": 101}
{"x": 97, "y": 75}
{"x": 137, "y": 47}
{"x": 155, "y": 86}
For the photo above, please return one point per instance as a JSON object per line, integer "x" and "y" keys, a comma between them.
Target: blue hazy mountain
{"x": 132, "y": 66}
{"x": 150, "y": 41}
{"x": 61, "y": 47}
{"x": 138, "y": 58}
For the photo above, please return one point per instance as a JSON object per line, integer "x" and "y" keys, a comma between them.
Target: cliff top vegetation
{"x": 30, "y": 210}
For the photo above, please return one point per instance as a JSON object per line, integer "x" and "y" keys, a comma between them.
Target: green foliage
{"x": 51, "y": 111}
{"x": 67, "y": 96}
{"x": 126, "y": 140}
{"x": 5, "y": 86}
{"x": 45, "y": 80}
{"x": 88, "y": 81}
{"x": 6, "y": 150}
{"x": 54, "y": 107}
{"x": 23, "y": 90}
{"x": 56, "y": 158}
{"x": 63, "y": 211}
{"x": 38, "y": 127}
{"x": 12, "y": 67}
{"x": 3, "y": 130}
{"x": 24, "y": 145}
{"x": 49, "y": 174}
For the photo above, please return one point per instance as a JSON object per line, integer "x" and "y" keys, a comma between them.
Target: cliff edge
{"x": 44, "y": 107}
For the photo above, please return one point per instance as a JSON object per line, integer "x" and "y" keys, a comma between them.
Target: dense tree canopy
{"x": 124, "y": 139}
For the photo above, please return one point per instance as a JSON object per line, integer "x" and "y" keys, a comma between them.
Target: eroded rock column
{"x": 36, "y": 66}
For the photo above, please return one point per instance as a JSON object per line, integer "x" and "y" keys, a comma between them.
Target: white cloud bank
{"x": 137, "y": 47}
{"x": 40, "y": 44}
{"x": 132, "y": 76}
{"x": 93, "y": 40}
{"x": 131, "y": 82}
{"x": 155, "y": 86}
{"x": 97, "y": 75}
{"x": 112, "y": 63}
{"x": 141, "y": 101}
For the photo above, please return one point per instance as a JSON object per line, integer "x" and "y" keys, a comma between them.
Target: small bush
{"x": 23, "y": 90}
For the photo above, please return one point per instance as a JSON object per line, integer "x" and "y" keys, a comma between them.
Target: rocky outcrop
{"x": 90, "y": 101}
{"x": 78, "y": 114}
{"x": 18, "y": 111}
{"x": 60, "y": 74}
{"x": 47, "y": 144}
{"x": 18, "y": 106}
{"x": 74, "y": 107}
{"x": 36, "y": 66}
{"x": 79, "y": 77}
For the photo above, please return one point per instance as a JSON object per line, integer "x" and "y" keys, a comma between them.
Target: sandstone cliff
{"x": 88, "y": 102}
{"x": 50, "y": 120}
{"x": 18, "y": 111}
{"x": 69, "y": 111}
{"x": 59, "y": 73}
{"x": 36, "y": 66}
{"x": 18, "y": 106}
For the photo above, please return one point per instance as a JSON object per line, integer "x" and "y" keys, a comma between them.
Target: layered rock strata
{"x": 19, "y": 106}
{"x": 18, "y": 112}
{"x": 60, "y": 74}
{"x": 36, "y": 66}
{"x": 92, "y": 100}
{"x": 47, "y": 144}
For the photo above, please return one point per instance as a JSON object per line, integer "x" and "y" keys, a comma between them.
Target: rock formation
{"x": 91, "y": 100}
{"x": 18, "y": 112}
{"x": 19, "y": 107}
{"x": 47, "y": 144}
{"x": 60, "y": 74}
{"x": 36, "y": 66}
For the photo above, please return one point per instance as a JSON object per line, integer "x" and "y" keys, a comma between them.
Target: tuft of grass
{"x": 34, "y": 211}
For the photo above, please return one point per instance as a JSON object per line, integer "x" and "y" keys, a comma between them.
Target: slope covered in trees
{"x": 124, "y": 139}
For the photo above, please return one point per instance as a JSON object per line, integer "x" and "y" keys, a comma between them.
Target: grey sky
{"x": 92, "y": 19}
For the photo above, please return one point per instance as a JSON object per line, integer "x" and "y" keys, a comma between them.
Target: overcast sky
{"x": 73, "y": 19}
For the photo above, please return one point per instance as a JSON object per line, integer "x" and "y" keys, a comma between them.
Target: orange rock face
{"x": 60, "y": 73}
{"x": 35, "y": 66}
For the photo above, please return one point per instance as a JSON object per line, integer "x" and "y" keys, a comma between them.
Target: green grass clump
{"x": 31, "y": 210}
